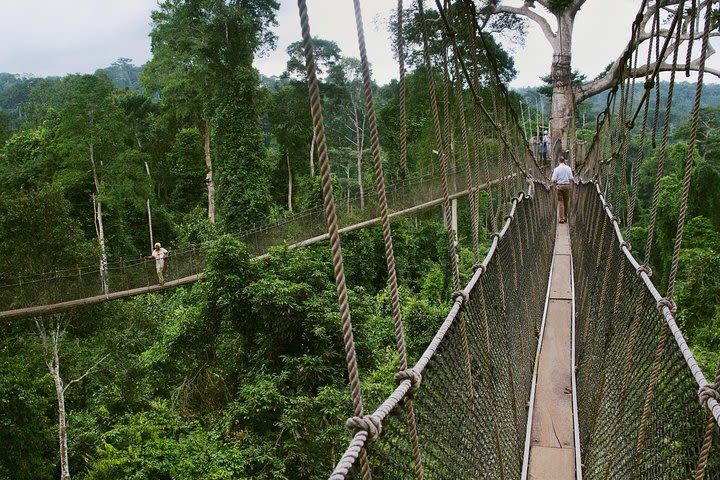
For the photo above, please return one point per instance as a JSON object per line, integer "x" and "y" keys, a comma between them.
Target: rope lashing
{"x": 332, "y": 223}
{"x": 461, "y": 295}
{"x": 705, "y": 393}
{"x": 479, "y": 266}
{"x": 625, "y": 244}
{"x": 369, "y": 423}
{"x": 414, "y": 376}
{"x": 666, "y": 303}
{"x": 643, "y": 269}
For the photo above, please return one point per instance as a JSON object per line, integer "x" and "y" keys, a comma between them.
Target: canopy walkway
{"x": 54, "y": 291}
{"x": 559, "y": 358}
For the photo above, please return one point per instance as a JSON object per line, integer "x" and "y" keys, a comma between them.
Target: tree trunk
{"x": 62, "y": 424}
{"x": 563, "y": 99}
{"x": 312, "y": 155}
{"x": 149, "y": 213}
{"x": 97, "y": 217}
{"x": 53, "y": 366}
{"x": 359, "y": 143}
{"x": 209, "y": 174}
{"x": 290, "y": 183}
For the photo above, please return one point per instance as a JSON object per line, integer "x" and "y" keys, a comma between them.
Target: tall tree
{"x": 202, "y": 69}
{"x": 565, "y": 93}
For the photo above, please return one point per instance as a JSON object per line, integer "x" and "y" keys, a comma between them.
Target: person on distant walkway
{"x": 561, "y": 178}
{"x": 160, "y": 254}
{"x": 543, "y": 148}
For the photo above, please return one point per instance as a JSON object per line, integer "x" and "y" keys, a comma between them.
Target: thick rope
{"x": 387, "y": 232}
{"x": 707, "y": 392}
{"x": 401, "y": 70}
{"x": 439, "y": 145}
{"x": 331, "y": 219}
{"x": 472, "y": 198}
{"x": 691, "y": 155}
{"x": 663, "y": 146}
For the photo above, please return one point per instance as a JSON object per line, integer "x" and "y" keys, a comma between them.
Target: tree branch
{"x": 87, "y": 372}
{"x": 594, "y": 87}
{"x": 525, "y": 11}
{"x": 575, "y": 6}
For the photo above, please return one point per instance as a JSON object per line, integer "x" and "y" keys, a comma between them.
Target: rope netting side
{"x": 641, "y": 420}
{"x": 479, "y": 435}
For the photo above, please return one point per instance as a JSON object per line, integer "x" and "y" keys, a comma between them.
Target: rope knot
{"x": 615, "y": 219}
{"x": 644, "y": 269}
{"x": 707, "y": 392}
{"x": 370, "y": 423}
{"x": 625, "y": 244}
{"x": 495, "y": 235}
{"x": 507, "y": 217}
{"x": 665, "y": 302}
{"x": 479, "y": 266}
{"x": 461, "y": 294}
{"x": 409, "y": 374}
{"x": 649, "y": 84}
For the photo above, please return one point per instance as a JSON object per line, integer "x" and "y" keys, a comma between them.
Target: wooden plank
{"x": 552, "y": 464}
{"x": 552, "y": 437}
{"x": 552, "y": 426}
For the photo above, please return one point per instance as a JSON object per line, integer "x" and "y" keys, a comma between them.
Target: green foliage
{"x": 26, "y": 414}
{"x": 39, "y": 233}
{"x": 188, "y": 169}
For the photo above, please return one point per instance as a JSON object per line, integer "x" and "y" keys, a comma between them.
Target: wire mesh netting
{"x": 46, "y": 288}
{"x": 476, "y": 428}
{"x": 627, "y": 358}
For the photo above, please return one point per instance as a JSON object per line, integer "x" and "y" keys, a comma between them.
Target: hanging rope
{"x": 690, "y": 162}
{"x": 439, "y": 145}
{"x": 387, "y": 233}
{"x": 663, "y": 143}
{"x": 331, "y": 219}
{"x": 401, "y": 68}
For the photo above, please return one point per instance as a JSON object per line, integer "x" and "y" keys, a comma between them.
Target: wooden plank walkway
{"x": 552, "y": 436}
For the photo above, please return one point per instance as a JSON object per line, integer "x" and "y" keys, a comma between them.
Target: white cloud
{"x": 51, "y": 37}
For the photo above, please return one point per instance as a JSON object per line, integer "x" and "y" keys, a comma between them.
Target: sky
{"x": 51, "y": 37}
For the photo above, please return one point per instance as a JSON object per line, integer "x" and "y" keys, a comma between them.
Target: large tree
{"x": 202, "y": 69}
{"x": 556, "y": 19}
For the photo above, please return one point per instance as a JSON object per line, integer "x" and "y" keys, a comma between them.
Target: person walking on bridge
{"x": 561, "y": 178}
{"x": 159, "y": 254}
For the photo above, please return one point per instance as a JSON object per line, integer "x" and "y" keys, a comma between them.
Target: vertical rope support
{"x": 401, "y": 71}
{"x": 650, "y": 393}
{"x": 711, "y": 425}
{"x": 331, "y": 220}
{"x": 663, "y": 143}
{"x": 387, "y": 232}
{"x": 439, "y": 146}
{"x": 691, "y": 154}
{"x": 472, "y": 197}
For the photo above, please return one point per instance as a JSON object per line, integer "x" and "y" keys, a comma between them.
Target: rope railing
{"x": 643, "y": 420}
{"x": 481, "y": 434}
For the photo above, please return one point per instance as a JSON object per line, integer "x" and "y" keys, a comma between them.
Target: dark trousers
{"x": 563, "y": 196}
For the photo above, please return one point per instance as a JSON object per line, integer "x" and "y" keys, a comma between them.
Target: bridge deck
{"x": 552, "y": 437}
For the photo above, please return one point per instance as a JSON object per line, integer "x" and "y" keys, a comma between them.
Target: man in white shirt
{"x": 562, "y": 177}
{"x": 159, "y": 254}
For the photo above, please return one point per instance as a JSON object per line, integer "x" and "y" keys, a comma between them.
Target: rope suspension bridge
{"x": 559, "y": 358}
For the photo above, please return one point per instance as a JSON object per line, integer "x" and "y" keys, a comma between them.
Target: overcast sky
{"x": 52, "y": 37}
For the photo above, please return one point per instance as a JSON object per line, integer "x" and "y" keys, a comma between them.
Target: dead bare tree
{"x": 51, "y": 348}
